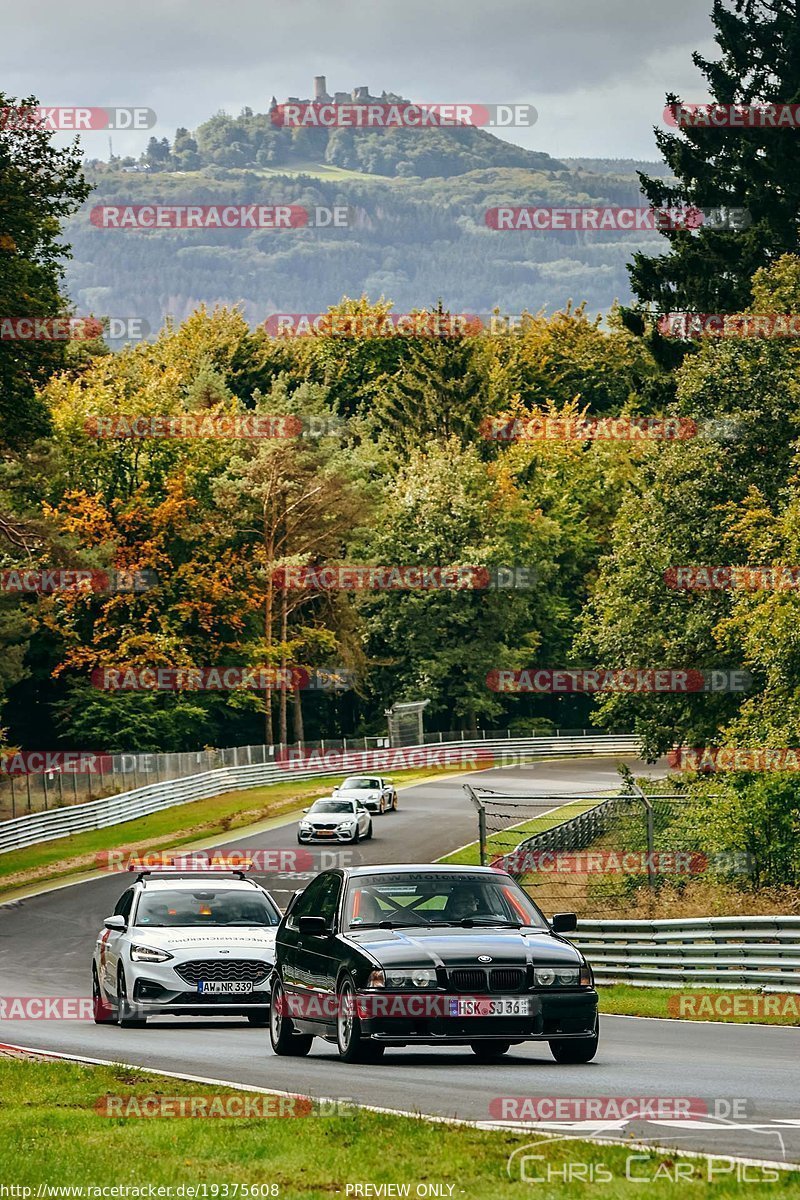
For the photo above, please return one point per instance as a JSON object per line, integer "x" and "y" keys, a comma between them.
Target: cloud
{"x": 189, "y": 58}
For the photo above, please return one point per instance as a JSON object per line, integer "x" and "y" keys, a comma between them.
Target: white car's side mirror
{"x": 115, "y": 922}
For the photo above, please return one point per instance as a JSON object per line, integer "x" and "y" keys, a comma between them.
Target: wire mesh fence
{"x": 603, "y": 855}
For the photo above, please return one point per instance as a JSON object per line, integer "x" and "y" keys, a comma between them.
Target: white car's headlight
{"x": 305, "y": 824}
{"x": 148, "y": 954}
{"x": 420, "y": 977}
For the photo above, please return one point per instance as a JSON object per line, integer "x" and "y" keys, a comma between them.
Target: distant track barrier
{"x": 333, "y": 759}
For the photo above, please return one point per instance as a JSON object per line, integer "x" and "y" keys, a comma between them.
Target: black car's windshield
{"x": 204, "y": 906}
{"x": 332, "y": 806}
{"x": 360, "y": 784}
{"x": 432, "y": 898}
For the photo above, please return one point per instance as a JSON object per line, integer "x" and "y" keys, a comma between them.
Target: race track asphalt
{"x": 46, "y": 943}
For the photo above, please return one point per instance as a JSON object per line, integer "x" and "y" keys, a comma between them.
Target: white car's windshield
{"x": 205, "y": 906}
{"x": 359, "y": 784}
{"x": 332, "y": 806}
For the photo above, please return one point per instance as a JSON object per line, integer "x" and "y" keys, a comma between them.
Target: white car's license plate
{"x": 500, "y": 1006}
{"x": 224, "y": 987}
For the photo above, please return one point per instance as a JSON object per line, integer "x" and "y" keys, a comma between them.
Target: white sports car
{"x": 375, "y": 793}
{"x": 197, "y": 946}
{"x": 335, "y": 820}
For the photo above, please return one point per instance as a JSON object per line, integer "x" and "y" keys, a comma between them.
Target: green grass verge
{"x": 51, "y": 1134}
{"x": 506, "y": 840}
{"x": 173, "y": 827}
{"x": 739, "y": 1006}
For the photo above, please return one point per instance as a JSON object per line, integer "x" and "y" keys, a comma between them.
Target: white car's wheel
{"x": 102, "y": 1011}
{"x": 127, "y": 1015}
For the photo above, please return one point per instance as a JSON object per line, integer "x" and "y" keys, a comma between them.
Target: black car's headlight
{"x": 408, "y": 977}
{"x": 147, "y": 954}
{"x": 416, "y": 977}
{"x": 558, "y": 976}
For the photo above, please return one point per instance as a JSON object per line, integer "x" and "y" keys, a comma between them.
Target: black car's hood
{"x": 460, "y": 947}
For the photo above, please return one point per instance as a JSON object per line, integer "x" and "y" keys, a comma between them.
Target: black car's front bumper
{"x": 560, "y": 1014}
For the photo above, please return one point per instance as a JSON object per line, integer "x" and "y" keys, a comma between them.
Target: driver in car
{"x": 462, "y": 904}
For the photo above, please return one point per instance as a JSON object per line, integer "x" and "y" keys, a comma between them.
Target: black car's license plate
{"x": 224, "y": 987}
{"x": 499, "y": 1006}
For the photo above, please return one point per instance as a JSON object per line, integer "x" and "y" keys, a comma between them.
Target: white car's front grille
{"x": 234, "y": 969}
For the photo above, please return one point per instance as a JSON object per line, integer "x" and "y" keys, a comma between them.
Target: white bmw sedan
{"x": 335, "y": 820}
{"x": 198, "y": 946}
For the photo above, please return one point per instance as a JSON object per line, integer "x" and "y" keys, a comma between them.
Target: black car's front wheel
{"x": 283, "y": 1039}
{"x": 488, "y": 1051}
{"x": 350, "y": 1041}
{"x": 575, "y": 1050}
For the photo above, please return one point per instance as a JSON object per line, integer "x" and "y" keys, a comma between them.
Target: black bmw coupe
{"x": 428, "y": 955}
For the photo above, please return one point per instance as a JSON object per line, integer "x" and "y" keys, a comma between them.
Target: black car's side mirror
{"x": 316, "y": 925}
{"x": 564, "y": 922}
{"x": 115, "y": 922}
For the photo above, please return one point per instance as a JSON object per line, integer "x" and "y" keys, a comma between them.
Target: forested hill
{"x": 252, "y": 140}
{"x": 414, "y": 240}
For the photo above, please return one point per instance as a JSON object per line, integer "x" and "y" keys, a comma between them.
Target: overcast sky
{"x": 596, "y": 70}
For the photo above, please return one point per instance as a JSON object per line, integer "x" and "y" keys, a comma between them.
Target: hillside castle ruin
{"x": 359, "y": 95}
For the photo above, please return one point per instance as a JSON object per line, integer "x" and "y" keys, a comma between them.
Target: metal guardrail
{"x": 127, "y": 806}
{"x": 727, "y": 952}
